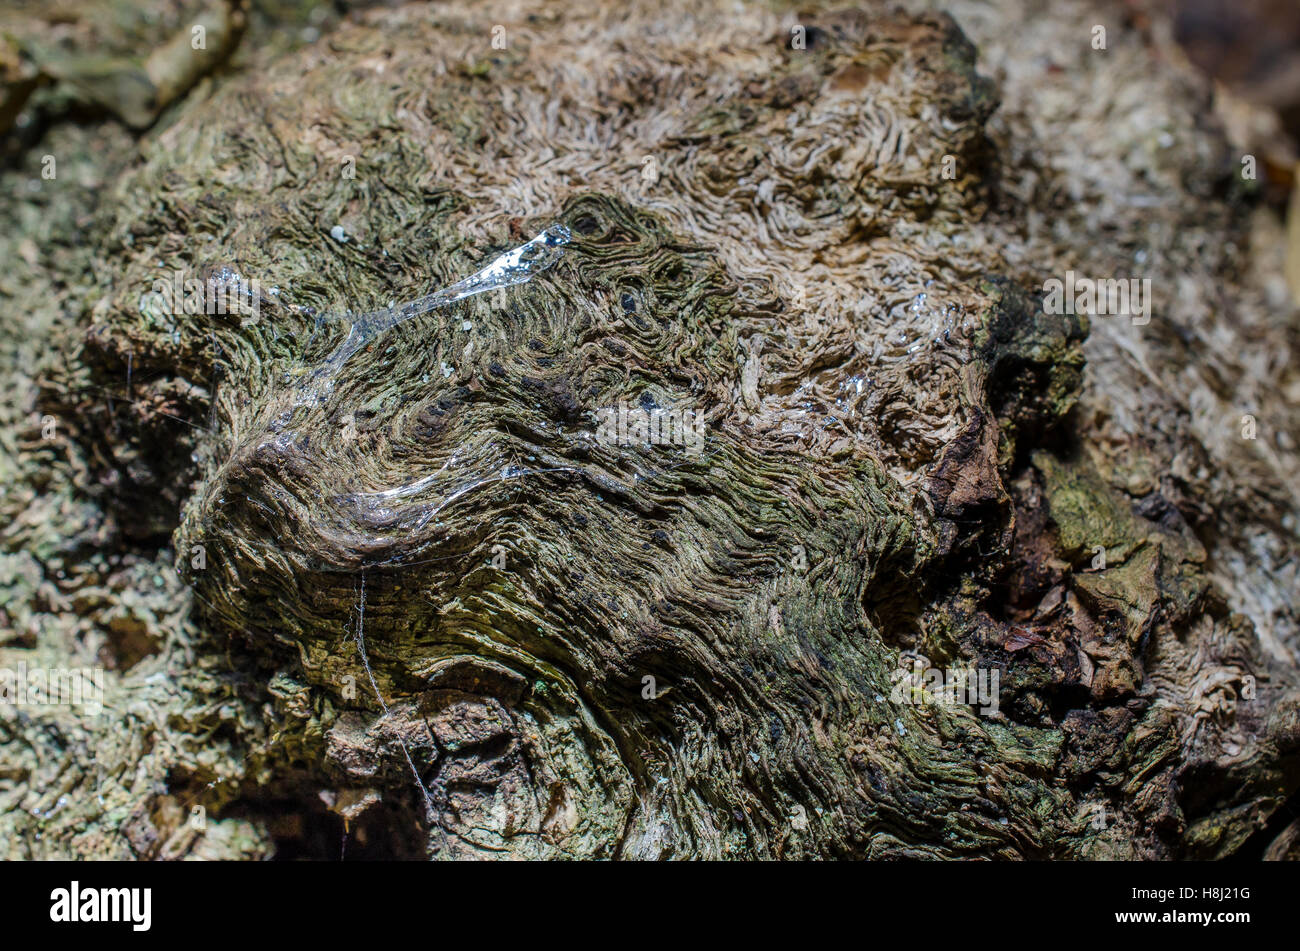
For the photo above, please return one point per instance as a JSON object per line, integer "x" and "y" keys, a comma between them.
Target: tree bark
{"x": 434, "y": 593}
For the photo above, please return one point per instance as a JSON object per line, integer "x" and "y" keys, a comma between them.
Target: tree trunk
{"x": 783, "y": 515}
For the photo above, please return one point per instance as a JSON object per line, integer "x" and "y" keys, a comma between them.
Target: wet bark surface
{"x": 425, "y": 597}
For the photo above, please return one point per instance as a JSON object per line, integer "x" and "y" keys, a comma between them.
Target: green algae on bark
{"x": 132, "y": 60}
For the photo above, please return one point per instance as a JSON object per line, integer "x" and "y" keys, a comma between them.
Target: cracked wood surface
{"x": 588, "y": 649}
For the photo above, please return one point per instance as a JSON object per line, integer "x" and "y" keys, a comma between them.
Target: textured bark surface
{"x": 429, "y": 597}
